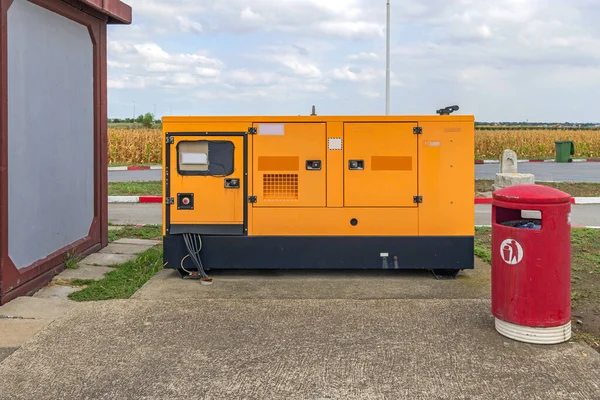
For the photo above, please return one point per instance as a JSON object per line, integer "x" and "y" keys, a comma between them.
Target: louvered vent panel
{"x": 280, "y": 187}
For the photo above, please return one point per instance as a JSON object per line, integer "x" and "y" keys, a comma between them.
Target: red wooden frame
{"x": 95, "y": 16}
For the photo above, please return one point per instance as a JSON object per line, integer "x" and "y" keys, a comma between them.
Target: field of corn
{"x": 144, "y": 146}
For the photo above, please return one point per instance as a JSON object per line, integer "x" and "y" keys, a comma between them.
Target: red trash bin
{"x": 531, "y": 263}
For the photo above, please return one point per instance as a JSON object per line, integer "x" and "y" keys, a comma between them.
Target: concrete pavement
{"x": 24, "y": 317}
{"x": 295, "y": 335}
{"x": 124, "y": 214}
{"x": 292, "y": 349}
{"x": 571, "y": 172}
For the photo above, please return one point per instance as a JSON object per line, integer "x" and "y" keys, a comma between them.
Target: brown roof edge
{"x": 117, "y": 11}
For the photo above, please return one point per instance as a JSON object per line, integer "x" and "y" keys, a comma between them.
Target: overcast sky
{"x": 517, "y": 60}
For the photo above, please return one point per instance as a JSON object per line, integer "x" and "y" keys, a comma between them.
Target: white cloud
{"x": 364, "y": 56}
{"x": 347, "y": 19}
{"x": 479, "y": 53}
{"x": 371, "y": 94}
{"x": 189, "y": 26}
{"x": 249, "y": 15}
{"x": 354, "y": 74}
{"x": 299, "y": 67}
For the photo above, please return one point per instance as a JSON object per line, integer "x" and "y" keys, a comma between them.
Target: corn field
{"x": 534, "y": 144}
{"x": 144, "y": 146}
{"x": 134, "y": 146}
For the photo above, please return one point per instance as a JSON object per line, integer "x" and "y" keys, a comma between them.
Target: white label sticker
{"x": 384, "y": 254}
{"x": 511, "y": 251}
{"x": 270, "y": 129}
{"x": 334, "y": 143}
{"x": 194, "y": 158}
{"x": 432, "y": 144}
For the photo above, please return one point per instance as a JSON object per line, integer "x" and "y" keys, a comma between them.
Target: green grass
{"x": 142, "y": 232}
{"x": 575, "y": 189}
{"x": 153, "y": 188}
{"x": 125, "y": 280}
{"x": 72, "y": 260}
{"x": 483, "y": 244}
{"x": 585, "y": 275}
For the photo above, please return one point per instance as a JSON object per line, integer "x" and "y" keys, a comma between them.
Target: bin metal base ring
{"x": 528, "y": 334}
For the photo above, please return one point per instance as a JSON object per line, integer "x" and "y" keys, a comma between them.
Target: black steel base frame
{"x": 445, "y": 255}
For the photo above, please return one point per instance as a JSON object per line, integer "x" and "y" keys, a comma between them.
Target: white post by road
{"x": 387, "y": 69}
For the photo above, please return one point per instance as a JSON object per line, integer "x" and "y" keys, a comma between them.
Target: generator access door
{"x": 289, "y": 164}
{"x": 206, "y": 182}
{"x": 380, "y": 164}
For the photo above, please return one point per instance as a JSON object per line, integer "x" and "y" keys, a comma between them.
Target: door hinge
{"x": 252, "y": 131}
{"x": 170, "y": 140}
{"x": 418, "y": 199}
{"x": 417, "y": 130}
{"x": 252, "y": 199}
{"x": 169, "y": 201}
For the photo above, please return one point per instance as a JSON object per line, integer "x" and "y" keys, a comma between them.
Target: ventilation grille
{"x": 280, "y": 187}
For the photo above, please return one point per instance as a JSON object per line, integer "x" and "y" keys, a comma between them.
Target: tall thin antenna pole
{"x": 387, "y": 62}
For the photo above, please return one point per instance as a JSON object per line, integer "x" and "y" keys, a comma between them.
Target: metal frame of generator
{"x": 316, "y": 192}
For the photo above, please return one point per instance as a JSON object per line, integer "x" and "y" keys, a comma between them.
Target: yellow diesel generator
{"x": 314, "y": 192}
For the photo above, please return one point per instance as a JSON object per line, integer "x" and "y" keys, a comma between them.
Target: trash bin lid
{"x": 531, "y": 194}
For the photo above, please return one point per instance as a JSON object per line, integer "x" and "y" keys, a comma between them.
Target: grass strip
{"x": 125, "y": 280}
{"x": 135, "y": 232}
{"x": 150, "y": 188}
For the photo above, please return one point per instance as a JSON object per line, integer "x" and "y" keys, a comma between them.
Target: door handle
{"x": 313, "y": 165}
{"x": 232, "y": 183}
{"x": 356, "y": 165}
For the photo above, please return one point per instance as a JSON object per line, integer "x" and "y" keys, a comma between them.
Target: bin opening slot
{"x": 524, "y": 219}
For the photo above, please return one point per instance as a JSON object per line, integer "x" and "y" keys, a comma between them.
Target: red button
{"x": 185, "y": 201}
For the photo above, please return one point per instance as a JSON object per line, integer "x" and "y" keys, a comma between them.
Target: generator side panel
{"x": 204, "y": 176}
{"x": 447, "y": 178}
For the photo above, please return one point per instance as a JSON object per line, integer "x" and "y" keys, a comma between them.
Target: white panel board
{"x": 50, "y": 132}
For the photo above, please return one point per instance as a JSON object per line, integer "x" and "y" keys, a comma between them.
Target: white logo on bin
{"x": 511, "y": 251}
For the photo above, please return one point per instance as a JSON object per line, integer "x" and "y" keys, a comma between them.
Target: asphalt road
{"x": 572, "y": 172}
{"x": 131, "y": 176}
{"x": 122, "y": 214}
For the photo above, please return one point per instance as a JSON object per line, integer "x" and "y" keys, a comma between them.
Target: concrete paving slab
{"x": 6, "y": 351}
{"x": 36, "y": 308}
{"x": 107, "y": 259}
{"x": 292, "y": 349}
{"x": 142, "y": 242}
{"x": 16, "y": 331}
{"x": 83, "y": 272}
{"x": 124, "y": 248}
{"x": 167, "y": 285}
{"x": 54, "y": 291}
